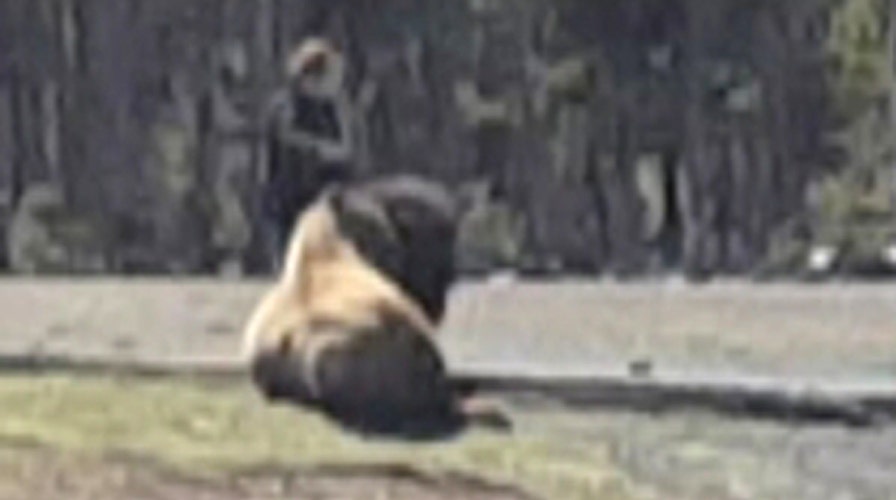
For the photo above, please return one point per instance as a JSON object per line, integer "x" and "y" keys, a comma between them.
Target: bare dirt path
{"x": 44, "y": 474}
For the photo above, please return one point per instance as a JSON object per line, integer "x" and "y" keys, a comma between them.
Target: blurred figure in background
{"x": 308, "y": 139}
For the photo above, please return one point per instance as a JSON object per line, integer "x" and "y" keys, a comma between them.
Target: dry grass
{"x": 203, "y": 430}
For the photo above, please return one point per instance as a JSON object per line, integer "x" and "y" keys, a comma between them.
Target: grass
{"x": 202, "y": 429}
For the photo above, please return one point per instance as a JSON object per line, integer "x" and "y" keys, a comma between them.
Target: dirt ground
{"x": 705, "y": 457}
{"x": 28, "y": 473}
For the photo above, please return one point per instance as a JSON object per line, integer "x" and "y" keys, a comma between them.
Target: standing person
{"x": 308, "y": 139}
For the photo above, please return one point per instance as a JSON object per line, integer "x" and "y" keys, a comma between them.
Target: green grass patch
{"x": 203, "y": 429}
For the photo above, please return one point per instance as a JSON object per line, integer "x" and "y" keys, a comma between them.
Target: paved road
{"x": 826, "y": 331}
{"x": 837, "y": 332}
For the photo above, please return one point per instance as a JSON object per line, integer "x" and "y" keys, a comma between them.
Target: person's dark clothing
{"x": 296, "y": 174}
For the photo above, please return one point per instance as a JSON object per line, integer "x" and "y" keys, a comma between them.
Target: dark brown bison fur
{"x": 337, "y": 334}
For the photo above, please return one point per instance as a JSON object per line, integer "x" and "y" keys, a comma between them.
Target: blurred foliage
{"x": 863, "y": 79}
{"x": 572, "y": 79}
{"x": 46, "y": 237}
{"x": 859, "y": 46}
{"x": 490, "y": 234}
{"x": 852, "y": 208}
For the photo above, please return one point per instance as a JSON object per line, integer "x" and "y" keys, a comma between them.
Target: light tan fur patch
{"x": 326, "y": 278}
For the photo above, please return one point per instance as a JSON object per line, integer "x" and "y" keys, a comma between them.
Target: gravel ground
{"x": 845, "y": 332}
{"x": 703, "y": 457}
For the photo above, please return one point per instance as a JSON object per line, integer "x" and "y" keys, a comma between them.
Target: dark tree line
{"x": 623, "y": 136}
